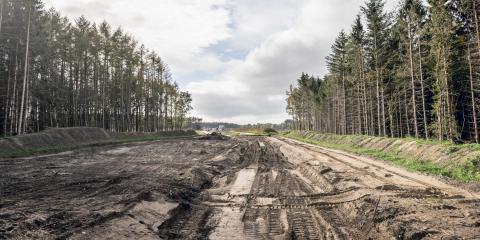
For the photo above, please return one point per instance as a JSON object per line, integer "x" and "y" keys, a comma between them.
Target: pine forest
{"x": 58, "y": 73}
{"x": 414, "y": 72}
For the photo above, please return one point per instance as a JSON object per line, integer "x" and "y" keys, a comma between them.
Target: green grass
{"x": 250, "y": 133}
{"x": 452, "y": 147}
{"x": 465, "y": 173}
{"x": 62, "y": 148}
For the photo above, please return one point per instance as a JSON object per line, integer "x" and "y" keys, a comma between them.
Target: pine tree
{"x": 377, "y": 35}
{"x": 59, "y": 74}
{"x": 337, "y": 64}
{"x": 441, "y": 28}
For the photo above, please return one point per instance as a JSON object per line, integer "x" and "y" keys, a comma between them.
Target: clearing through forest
{"x": 239, "y": 188}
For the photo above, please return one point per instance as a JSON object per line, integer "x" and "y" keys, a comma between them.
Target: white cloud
{"x": 250, "y": 50}
{"x": 276, "y": 63}
{"x": 179, "y": 30}
{"x": 255, "y": 20}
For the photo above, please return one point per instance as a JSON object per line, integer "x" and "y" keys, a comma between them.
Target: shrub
{"x": 270, "y": 130}
{"x": 452, "y": 149}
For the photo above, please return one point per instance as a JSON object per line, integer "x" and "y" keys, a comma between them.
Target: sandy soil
{"x": 242, "y": 188}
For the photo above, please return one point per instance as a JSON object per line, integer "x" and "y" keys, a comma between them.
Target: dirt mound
{"x": 442, "y": 154}
{"x": 174, "y": 133}
{"x": 214, "y": 136}
{"x": 54, "y": 137}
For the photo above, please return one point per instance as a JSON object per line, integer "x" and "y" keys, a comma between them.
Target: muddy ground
{"x": 242, "y": 188}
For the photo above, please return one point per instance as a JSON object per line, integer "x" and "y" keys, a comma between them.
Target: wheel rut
{"x": 296, "y": 191}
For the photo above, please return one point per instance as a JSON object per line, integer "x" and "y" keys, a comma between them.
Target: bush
{"x": 453, "y": 149}
{"x": 270, "y": 130}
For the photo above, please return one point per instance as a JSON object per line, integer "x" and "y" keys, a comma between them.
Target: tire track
{"x": 428, "y": 183}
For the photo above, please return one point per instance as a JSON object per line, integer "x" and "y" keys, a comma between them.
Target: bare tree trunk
{"x": 27, "y": 106}
{"x": 372, "y": 114}
{"x": 377, "y": 78}
{"x": 344, "y": 105}
{"x": 7, "y": 106}
{"x": 406, "y": 112}
{"x": 335, "y": 102}
{"x": 365, "y": 107}
{"x": 425, "y": 124}
{"x": 383, "y": 112}
{"x": 447, "y": 89}
{"x": 477, "y": 31}
{"x": 400, "y": 117}
{"x": 439, "y": 116}
{"x": 20, "y": 123}
{"x": 13, "y": 102}
{"x": 471, "y": 78}
{"x": 414, "y": 100}
{"x": 390, "y": 115}
{"x": 379, "y": 129}
{"x": 364, "y": 91}
{"x": 472, "y": 92}
{"x": 360, "y": 110}
{"x": 2, "y": 3}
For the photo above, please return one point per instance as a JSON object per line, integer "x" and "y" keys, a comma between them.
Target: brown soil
{"x": 66, "y": 138}
{"x": 241, "y": 188}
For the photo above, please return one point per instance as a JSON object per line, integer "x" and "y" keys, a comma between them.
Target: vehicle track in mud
{"x": 113, "y": 192}
{"x": 299, "y": 191}
{"x": 242, "y": 188}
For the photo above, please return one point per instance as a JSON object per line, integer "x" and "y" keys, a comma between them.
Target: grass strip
{"x": 466, "y": 173}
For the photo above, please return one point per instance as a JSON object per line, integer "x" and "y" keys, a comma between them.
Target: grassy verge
{"x": 62, "y": 148}
{"x": 253, "y": 132}
{"x": 465, "y": 173}
{"x": 247, "y": 133}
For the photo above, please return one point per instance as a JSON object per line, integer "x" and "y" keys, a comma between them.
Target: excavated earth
{"x": 240, "y": 188}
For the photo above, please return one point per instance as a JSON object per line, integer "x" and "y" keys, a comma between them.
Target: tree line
{"x": 58, "y": 73}
{"x": 412, "y": 72}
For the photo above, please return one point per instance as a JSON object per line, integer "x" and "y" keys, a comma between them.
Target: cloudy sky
{"x": 236, "y": 57}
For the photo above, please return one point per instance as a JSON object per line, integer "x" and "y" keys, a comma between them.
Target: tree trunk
{"x": 7, "y": 105}
{"x": 344, "y": 105}
{"x": 20, "y": 123}
{"x": 414, "y": 100}
{"x": 13, "y": 102}
{"x": 477, "y": 31}
{"x": 365, "y": 106}
{"x": 377, "y": 79}
{"x": 425, "y": 124}
{"x": 384, "y": 133}
{"x": 472, "y": 92}
{"x": 2, "y": 3}
{"x": 407, "y": 118}
{"x": 447, "y": 97}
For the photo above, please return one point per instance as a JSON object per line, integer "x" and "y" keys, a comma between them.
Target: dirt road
{"x": 243, "y": 188}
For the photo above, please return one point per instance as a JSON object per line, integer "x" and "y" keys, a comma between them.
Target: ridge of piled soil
{"x": 449, "y": 156}
{"x": 65, "y": 138}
